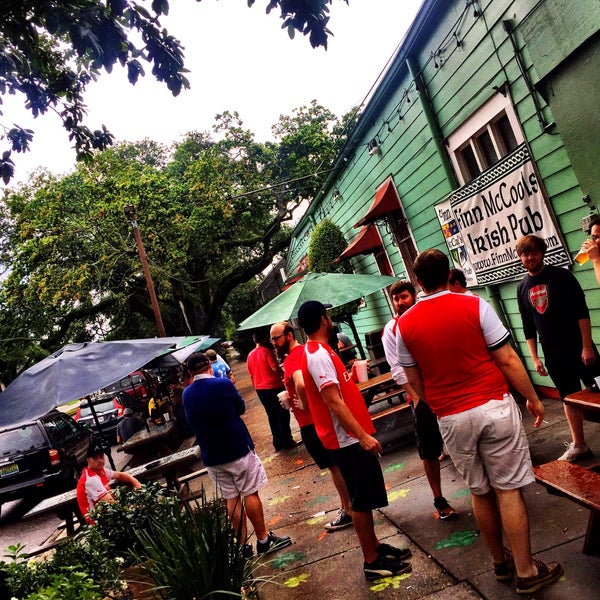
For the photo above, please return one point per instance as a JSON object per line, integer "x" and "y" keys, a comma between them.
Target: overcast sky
{"x": 240, "y": 59}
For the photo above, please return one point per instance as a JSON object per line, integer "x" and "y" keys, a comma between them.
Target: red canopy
{"x": 386, "y": 201}
{"x": 367, "y": 240}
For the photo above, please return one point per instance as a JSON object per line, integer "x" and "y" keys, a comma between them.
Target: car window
{"x": 105, "y": 405}
{"x": 21, "y": 439}
{"x": 58, "y": 429}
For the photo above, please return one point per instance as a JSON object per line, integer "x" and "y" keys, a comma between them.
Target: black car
{"x": 109, "y": 410}
{"x": 46, "y": 454}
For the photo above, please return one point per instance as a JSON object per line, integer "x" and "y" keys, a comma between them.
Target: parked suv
{"x": 45, "y": 454}
{"x": 109, "y": 409}
{"x": 140, "y": 386}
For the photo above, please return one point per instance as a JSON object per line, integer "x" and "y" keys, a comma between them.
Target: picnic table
{"x": 149, "y": 443}
{"x": 65, "y": 505}
{"x": 588, "y": 401}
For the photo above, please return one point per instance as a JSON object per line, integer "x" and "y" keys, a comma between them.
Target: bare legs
{"x": 252, "y": 507}
{"x": 432, "y": 471}
{"x": 505, "y": 509}
{"x": 365, "y": 530}
{"x": 575, "y": 420}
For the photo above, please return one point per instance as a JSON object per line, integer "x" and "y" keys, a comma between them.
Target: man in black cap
{"x": 93, "y": 485}
{"x": 345, "y": 428}
{"x": 213, "y": 408}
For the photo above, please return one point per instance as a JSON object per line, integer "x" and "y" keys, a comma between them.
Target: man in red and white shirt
{"x": 345, "y": 428}
{"x": 93, "y": 485}
{"x": 457, "y": 356}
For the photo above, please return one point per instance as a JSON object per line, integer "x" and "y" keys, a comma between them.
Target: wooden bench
{"x": 392, "y": 410}
{"x": 582, "y": 486}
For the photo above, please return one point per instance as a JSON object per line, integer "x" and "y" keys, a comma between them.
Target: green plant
{"x": 132, "y": 511}
{"x": 71, "y": 584}
{"x": 195, "y": 554}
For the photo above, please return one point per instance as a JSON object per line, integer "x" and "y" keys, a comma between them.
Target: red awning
{"x": 386, "y": 201}
{"x": 293, "y": 279}
{"x": 367, "y": 240}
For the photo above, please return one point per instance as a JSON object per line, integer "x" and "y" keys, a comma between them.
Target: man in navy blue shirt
{"x": 213, "y": 407}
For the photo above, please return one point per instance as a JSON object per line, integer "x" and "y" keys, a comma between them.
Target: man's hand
{"x": 370, "y": 444}
{"x": 539, "y": 367}
{"x": 536, "y": 410}
{"x": 588, "y": 356}
{"x": 591, "y": 248}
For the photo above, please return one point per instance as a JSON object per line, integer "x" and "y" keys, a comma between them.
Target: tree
{"x": 212, "y": 215}
{"x": 51, "y": 51}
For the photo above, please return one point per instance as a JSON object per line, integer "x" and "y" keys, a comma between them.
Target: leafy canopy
{"x": 52, "y": 49}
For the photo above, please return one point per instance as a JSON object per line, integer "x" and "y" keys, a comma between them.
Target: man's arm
{"x": 335, "y": 403}
{"x": 300, "y": 400}
{"x": 588, "y": 356}
{"x": 124, "y": 477}
{"x": 538, "y": 365}
{"x": 512, "y": 368}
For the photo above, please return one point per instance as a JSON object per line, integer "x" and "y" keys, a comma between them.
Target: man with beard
{"x": 290, "y": 352}
{"x": 427, "y": 433}
{"x": 552, "y": 305}
{"x": 344, "y": 426}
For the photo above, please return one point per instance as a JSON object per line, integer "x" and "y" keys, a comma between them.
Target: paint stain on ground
{"x": 461, "y": 493}
{"x": 459, "y": 539}
{"x": 384, "y": 583}
{"x": 288, "y": 481}
{"x": 294, "y": 582}
{"x": 323, "y": 473}
{"x": 396, "y": 467}
{"x": 398, "y": 494}
{"x": 268, "y": 459}
{"x": 322, "y": 536}
{"x": 278, "y": 500}
{"x": 318, "y": 500}
{"x": 285, "y": 559}
{"x": 272, "y": 522}
{"x": 315, "y": 520}
{"x": 300, "y": 461}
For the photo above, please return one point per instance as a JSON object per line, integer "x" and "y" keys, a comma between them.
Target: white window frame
{"x": 480, "y": 121}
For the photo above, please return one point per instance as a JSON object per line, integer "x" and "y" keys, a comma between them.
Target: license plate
{"x": 7, "y": 470}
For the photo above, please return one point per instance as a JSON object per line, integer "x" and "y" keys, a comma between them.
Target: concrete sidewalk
{"x": 449, "y": 561}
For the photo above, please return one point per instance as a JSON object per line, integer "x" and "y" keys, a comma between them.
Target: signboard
{"x": 483, "y": 220}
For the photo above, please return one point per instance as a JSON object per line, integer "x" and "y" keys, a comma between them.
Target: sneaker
{"x": 506, "y": 569}
{"x": 342, "y": 520}
{"x": 272, "y": 544}
{"x": 247, "y": 551}
{"x": 444, "y": 511}
{"x": 546, "y": 575}
{"x": 383, "y": 566}
{"x": 393, "y": 552}
{"x": 574, "y": 452}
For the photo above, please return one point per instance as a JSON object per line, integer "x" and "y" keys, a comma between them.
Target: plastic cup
{"x": 582, "y": 257}
{"x": 362, "y": 370}
{"x": 284, "y": 399}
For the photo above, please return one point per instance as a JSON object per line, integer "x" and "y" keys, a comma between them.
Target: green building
{"x": 485, "y": 127}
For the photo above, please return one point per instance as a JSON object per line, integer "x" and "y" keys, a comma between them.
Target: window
{"x": 488, "y": 135}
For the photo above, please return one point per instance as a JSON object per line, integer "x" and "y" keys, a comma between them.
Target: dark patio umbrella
{"x": 72, "y": 372}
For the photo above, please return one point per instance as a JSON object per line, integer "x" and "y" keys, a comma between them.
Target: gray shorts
{"x": 240, "y": 477}
{"x": 488, "y": 446}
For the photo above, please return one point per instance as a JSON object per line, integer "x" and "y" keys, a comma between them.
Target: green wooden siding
{"x": 457, "y": 87}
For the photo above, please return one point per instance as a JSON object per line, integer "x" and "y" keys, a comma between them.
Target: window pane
{"x": 470, "y": 162}
{"x": 487, "y": 149}
{"x": 506, "y": 133}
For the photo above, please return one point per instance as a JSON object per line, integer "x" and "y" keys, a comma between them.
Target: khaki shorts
{"x": 488, "y": 446}
{"x": 240, "y": 477}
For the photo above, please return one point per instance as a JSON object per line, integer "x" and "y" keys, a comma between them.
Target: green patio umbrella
{"x": 330, "y": 288}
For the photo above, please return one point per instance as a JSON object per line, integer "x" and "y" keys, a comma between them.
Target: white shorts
{"x": 488, "y": 446}
{"x": 241, "y": 477}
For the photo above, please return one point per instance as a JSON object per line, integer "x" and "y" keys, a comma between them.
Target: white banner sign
{"x": 492, "y": 212}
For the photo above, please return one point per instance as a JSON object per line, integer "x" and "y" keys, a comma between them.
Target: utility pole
{"x": 132, "y": 217}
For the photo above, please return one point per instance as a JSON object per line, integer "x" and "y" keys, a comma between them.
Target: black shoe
{"x": 272, "y": 544}
{"x": 247, "y": 551}
{"x": 383, "y": 566}
{"x": 393, "y": 552}
{"x": 444, "y": 511}
{"x": 342, "y": 520}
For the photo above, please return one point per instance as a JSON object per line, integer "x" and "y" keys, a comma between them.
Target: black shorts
{"x": 427, "y": 432}
{"x": 363, "y": 477}
{"x": 567, "y": 371}
{"x": 315, "y": 448}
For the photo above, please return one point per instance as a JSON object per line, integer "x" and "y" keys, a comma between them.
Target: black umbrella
{"x": 72, "y": 372}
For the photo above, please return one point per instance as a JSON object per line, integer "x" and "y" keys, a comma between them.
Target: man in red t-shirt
{"x": 456, "y": 354}
{"x": 291, "y": 352}
{"x": 345, "y": 428}
{"x": 93, "y": 485}
{"x": 267, "y": 379}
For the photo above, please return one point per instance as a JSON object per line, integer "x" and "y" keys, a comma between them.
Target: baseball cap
{"x": 197, "y": 361}
{"x": 310, "y": 313}
{"x": 95, "y": 449}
